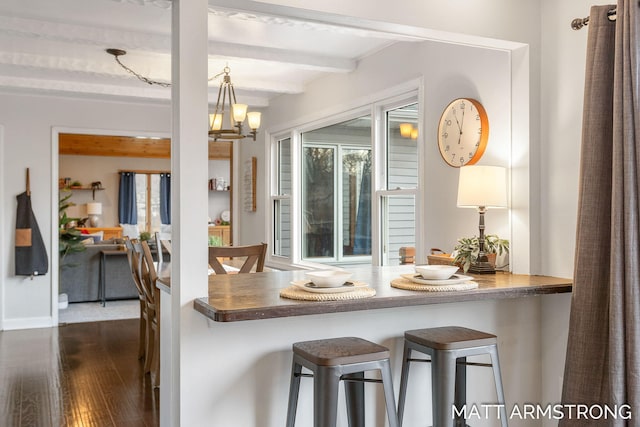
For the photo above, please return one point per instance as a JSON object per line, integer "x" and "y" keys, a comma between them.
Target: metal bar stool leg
{"x": 497, "y": 376}
{"x": 404, "y": 377}
{"x": 325, "y": 397}
{"x": 461, "y": 389}
{"x": 354, "y": 393}
{"x": 443, "y": 372}
{"x": 294, "y": 388}
{"x": 387, "y": 384}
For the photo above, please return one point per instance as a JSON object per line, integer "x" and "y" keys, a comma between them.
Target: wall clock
{"x": 463, "y": 132}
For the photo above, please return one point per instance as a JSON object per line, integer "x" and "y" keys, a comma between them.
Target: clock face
{"x": 463, "y": 132}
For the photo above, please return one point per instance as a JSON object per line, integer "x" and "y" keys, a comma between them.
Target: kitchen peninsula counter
{"x": 238, "y": 340}
{"x": 257, "y": 296}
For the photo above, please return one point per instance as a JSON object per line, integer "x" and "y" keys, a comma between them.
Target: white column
{"x": 189, "y": 166}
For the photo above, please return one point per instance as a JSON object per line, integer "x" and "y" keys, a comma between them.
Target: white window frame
{"x": 375, "y": 106}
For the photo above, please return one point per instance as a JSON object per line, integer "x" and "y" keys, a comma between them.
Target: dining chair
{"x": 149, "y": 278}
{"x": 254, "y": 254}
{"x": 163, "y": 242}
{"x": 134, "y": 260}
{"x": 166, "y": 245}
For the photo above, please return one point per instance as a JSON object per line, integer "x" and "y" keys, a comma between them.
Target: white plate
{"x": 456, "y": 278}
{"x": 225, "y": 216}
{"x": 310, "y": 287}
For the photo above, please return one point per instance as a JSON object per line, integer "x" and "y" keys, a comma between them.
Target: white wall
{"x": 461, "y": 71}
{"x": 28, "y": 122}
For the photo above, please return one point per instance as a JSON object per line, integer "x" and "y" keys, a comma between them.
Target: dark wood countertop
{"x": 256, "y": 296}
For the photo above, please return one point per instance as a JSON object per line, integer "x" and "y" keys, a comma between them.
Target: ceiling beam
{"x": 129, "y": 146}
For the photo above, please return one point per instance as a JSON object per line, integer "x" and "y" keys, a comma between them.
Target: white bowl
{"x": 328, "y": 278}
{"x": 436, "y": 272}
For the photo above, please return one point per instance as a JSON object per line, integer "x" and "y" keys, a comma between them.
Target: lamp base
{"x": 94, "y": 220}
{"x": 482, "y": 267}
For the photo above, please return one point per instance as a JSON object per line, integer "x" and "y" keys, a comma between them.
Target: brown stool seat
{"x": 340, "y": 351}
{"x": 332, "y": 361}
{"x": 450, "y": 337}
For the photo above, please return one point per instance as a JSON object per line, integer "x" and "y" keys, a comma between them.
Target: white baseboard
{"x": 27, "y": 323}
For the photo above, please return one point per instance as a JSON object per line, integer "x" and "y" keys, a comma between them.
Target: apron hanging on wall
{"x": 31, "y": 254}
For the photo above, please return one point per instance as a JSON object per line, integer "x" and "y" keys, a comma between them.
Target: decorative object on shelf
{"x": 463, "y": 132}
{"x": 250, "y": 175}
{"x": 75, "y": 185}
{"x": 482, "y": 187}
{"x": 236, "y": 113}
{"x": 94, "y": 210}
{"x": 220, "y": 184}
{"x": 96, "y": 185}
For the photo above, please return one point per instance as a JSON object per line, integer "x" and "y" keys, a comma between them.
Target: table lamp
{"x": 482, "y": 187}
{"x": 93, "y": 210}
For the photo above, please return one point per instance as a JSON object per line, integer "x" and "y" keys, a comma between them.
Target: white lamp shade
{"x": 215, "y": 121}
{"x": 482, "y": 186}
{"x": 254, "y": 119}
{"x": 239, "y": 112}
{"x": 94, "y": 208}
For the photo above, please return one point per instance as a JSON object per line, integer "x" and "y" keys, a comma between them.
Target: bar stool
{"x": 333, "y": 360}
{"x": 448, "y": 348}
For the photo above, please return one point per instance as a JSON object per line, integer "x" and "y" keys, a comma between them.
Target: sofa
{"x": 80, "y": 275}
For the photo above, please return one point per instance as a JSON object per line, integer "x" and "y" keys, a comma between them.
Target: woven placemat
{"x": 294, "y": 292}
{"x": 402, "y": 283}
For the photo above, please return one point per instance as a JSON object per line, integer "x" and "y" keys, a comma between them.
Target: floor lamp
{"x": 482, "y": 187}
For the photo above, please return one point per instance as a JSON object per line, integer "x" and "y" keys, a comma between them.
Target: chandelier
{"x": 225, "y": 105}
{"x": 236, "y": 113}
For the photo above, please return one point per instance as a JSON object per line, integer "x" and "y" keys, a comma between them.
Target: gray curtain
{"x": 165, "y": 198}
{"x": 127, "y": 203}
{"x": 603, "y": 355}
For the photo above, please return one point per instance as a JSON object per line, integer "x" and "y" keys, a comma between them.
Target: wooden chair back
{"x": 134, "y": 259}
{"x": 254, "y": 254}
{"x": 148, "y": 273}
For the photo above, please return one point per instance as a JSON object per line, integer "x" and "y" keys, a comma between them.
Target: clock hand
{"x": 455, "y": 116}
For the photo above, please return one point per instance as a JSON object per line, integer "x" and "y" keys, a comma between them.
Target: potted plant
{"x": 466, "y": 251}
{"x": 69, "y": 240}
{"x": 75, "y": 185}
{"x": 215, "y": 241}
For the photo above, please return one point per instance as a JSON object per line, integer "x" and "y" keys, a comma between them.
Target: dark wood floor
{"x": 78, "y": 375}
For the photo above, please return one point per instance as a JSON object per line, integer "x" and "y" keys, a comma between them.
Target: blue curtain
{"x": 165, "y": 198}
{"x": 362, "y": 244}
{"x": 127, "y": 205}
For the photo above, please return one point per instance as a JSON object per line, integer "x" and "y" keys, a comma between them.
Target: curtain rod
{"x": 578, "y": 23}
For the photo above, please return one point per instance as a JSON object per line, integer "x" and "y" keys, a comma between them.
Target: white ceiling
{"x": 59, "y": 46}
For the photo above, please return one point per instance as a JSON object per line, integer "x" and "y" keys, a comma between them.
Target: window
{"x": 344, "y": 194}
{"x": 336, "y": 191}
{"x": 282, "y": 200}
{"x": 148, "y": 201}
{"x": 397, "y": 199}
